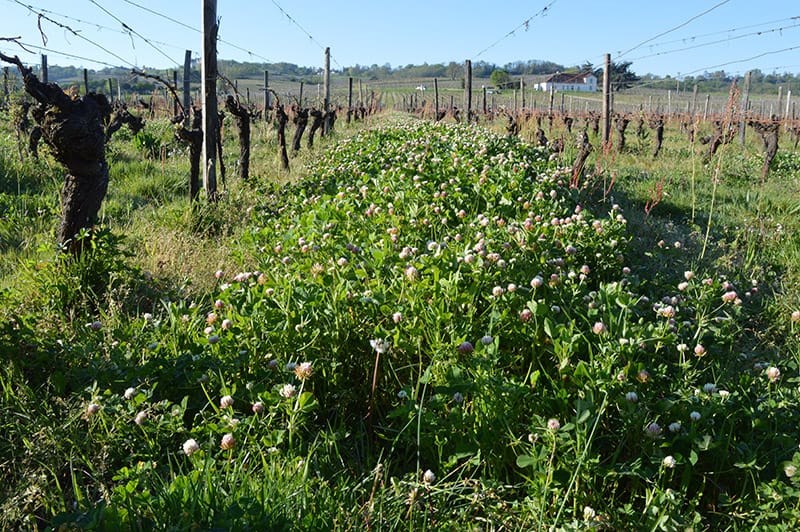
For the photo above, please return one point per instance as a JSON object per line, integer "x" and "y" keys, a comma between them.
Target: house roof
{"x": 563, "y": 77}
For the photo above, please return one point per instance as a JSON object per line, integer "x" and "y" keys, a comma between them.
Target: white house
{"x": 580, "y": 82}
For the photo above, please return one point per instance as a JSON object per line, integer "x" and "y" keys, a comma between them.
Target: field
{"x": 419, "y": 326}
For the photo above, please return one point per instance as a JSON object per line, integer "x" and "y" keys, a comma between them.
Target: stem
{"x": 714, "y": 183}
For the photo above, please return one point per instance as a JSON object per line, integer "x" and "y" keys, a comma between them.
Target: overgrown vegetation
{"x": 425, "y": 327}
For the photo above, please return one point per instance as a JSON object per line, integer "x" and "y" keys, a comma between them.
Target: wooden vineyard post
{"x": 788, "y": 106}
{"x": 44, "y": 68}
{"x": 606, "y": 113}
{"x": 745, "y": 102}
{"x": 175, "y": 101}
{"x": 209, "y": 96}
{"x": 669, "y": 103}
{"x": 326, "y": 103}
{"x": 110, "y": 90}
{"x": 349, "y": 98}
{"x": 85, "y": 81}
{"x": 468, "y": 88}
{"x": 694, "y": 101}
{"x": 705, "y": 109}
{"x": 436, "y": 97}
{"x": 522, "y": 92}
{"x": 483, "y": 101}
{"x": 300, "y": 101}
{"x": 187, "y": 87}
{"x": 266, "y": 95}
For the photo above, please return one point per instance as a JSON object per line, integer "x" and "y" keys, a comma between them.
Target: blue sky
{"x": 733, "y": 35}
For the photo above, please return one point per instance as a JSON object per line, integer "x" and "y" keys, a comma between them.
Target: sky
{"x": 665, "y": 38}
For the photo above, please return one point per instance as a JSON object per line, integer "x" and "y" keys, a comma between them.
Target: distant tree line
{"x": 622, "y": 76}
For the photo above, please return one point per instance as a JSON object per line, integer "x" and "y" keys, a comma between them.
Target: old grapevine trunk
{"x": 73, "y": 128}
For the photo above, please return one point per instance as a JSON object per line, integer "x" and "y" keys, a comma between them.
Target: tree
{"x": 500, "y": 78}
{"x": 621, "y": 75}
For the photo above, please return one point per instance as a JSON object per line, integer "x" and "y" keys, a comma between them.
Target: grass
{"x": 489, "y": 347}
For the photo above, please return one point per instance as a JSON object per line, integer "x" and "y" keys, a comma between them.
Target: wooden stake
{"x": 326, "y": 126}
{"x": 44, "y": 68}
{"x": 745, "y": 102}
{"x": 468, "y": 88}
{"x": 175, "y": 84}
{"x": 349, "y": 98}
{"x": 85, "y": 81}
{"x": 436, "y": 97}
{"x": 266, "y": 94}
{"x": 606, "y": 113}
{"x": 187, "y": 87}
{"x": 209, "y": 95}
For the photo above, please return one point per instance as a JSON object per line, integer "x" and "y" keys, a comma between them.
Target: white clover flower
{"x": 588, "y": 513}
{"x": 140, "y": 418}
{"x": 695, "y": 415}
{"x": 458, "y": 398}
{"x": 773, "y": 374}
{"x": 380, "y": 345}
{"x": 303, "y": 370}
{"x": 147, "y": 316}
{"x": 258, "y": 407}
{"x": 729, "y": 297}
{"x": 699, "y": 350}
{"x": 397, "y": 317}
{"x": 553, "y": 424}
{"x": 228, "y": 442}
{"x": 486, "y": 339}
{"x": 429, "y": 477}
{"x": 129, "y": 393}
{"x": 709, "y": 387}
{"x": 190, "y": 447}
{"x": 290, "y": 366}
{"x": 632, "y": 397}
{"x": 497, "y": 291}
{"x": 402, "y": 394}
{"x": 226, "y": 401}
{"x": 669, "y": 462}
{"x": 789, "y": 470}
{"x": 599, "y": 328}
{"x": 288, "y": 391}
{"x": 675, "y": 426}
{"x": 682, "y": 348}
{"x": 92, "y": 409}
{"x": 724, "y": 394}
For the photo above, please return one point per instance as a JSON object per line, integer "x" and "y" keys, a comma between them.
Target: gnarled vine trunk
{"x": 242, "y": 118}
{"x": 73, "y": 128}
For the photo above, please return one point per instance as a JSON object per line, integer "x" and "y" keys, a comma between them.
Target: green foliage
{"x": 500, "y": 79}
{"x": 435, "y": 331}
{"x": 148, "y": 144}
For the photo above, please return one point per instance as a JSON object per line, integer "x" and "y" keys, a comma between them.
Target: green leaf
{"x": 583, "y": 416}
{"x": 525, "y": 460}
{"x": 548, "y": 327}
